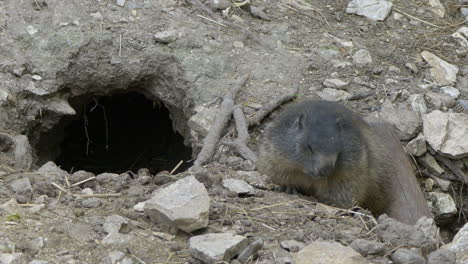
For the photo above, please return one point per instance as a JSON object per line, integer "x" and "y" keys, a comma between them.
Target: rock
{"x": 464, "y": 11}
{"x": 184, "y": 204}
{"x": 447, "y": 133}
{"x": 404, "y": 255}
{"x": 412, "y": 67}
{"x": 417, "y": 146}
{"x": 4, "y": 95}
{"x": 36, "y": 77}
{"x": 459, "y": 245}
{"x": 82, "y": 233}
{"x": 441, "y": 256}
{"x": 422, "y": 235}
{"x": 292, "y": 245}
{"x": 335, "y": 83}
{"x": 52, "y": 171}
{"x": 6, "y": 246}
{"x": 319, "y": 252}
{"x": 362, "y": 56}
{"x": 116, "y": 257}
{"x": 418, "y": 103}
{"x": 39, "y": 262}
{"x": 437, "y": 8}
{"x": 438, "y": 100}
{"x": 116, "y": 224}
{"x": 368, "y": 247}
{"x": 12, "y": 258}
{"x": 23, "y": 152}
{"x": 443, "y": 205}
{"x": 443, "y": 72}
{"x": 92, "y": 202}
{"x": 239, "y": 187}
{"x": 428, "y": 184}
{"x": 406, "y": 121}
{"x": 214, "y": 247}
{"x": 330, "y": 94}
{"x": 201, "y": 122}
{"x": 234, "y": 162}
{"x": 166, "y": 37}
{"x": 120, "y": 2}
{"x": 451, "y": 91}
{"x": 219, "y": 4}
{"x": 431, "y": 164}
{"x": 372, "y": 9}
{"x": 443, "y": 184}
{"x": 250, "y": 250}
{"x": 59, "y": 106}
{"x": 21, "y": 186}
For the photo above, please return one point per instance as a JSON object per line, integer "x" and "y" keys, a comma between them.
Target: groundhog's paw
{"x": 288, "y": 189}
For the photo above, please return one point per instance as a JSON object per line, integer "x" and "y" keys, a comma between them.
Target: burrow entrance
{"x": 119, "y": 133}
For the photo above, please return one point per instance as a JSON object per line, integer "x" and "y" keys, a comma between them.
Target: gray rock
{"x": 166, "y": 37}
{"x": 120, "y": 2}
{"x": 439, "y": 100}
{"x": 117, "y": 257}
{"x": 59, "y": 106}
{"x": 464, "y": 11}
{"x": 92, "y": 202}
{"x": 459, "y": 245}
{"x": 4, "y": 95}
{"x": 219, "y": 4}
{"x": 335, "y": 83}
{"x": 447, "y": 133}
{"x": 117, "y": 239}
{"x": 406, "y": 121}
{"x": 443, "y": 72}
{"x": 451, "y": 91}
{"x": 372, "y": 9}
{"x": 12, "y": 258}
{"x": 422, "y": 235}
{"x": 281, "y": 256}
{"x": 367, "y": 247}
{"x": 437, "y": 8}
{"x": 116, "y": 224}
{"x": 431, "y": 164}
{"x": 214, "y": 247}
{"x": 328, "y": 252}
{"x": 463, "y": 104}
{"x": 6, "y": 246}
{"x": 201, "y": 122}
{"x": 250, "y": 250}
{"x": 417, "y": 146}
{"x": 412, "y": 67}
{"x": 23, "y": 152}
{"x": 443, "y": 205}
{"x": 238, "y": 186}
{"x": 52, "y": 171}
{"x": 429, "y": 184}
{"x": 39, "y": 262}
{"x": 362, "y": 56}
{"x": 418, "y": 103}
{"x": 21, "y": 186}
{"x": 443, "y": 184}
{"x": 404, "y": 256}
{"x": 441, "y": 256}
{"x": 292, "y": 245}
{"x": 184, "y": 204}
{"x": 330, "y": 94}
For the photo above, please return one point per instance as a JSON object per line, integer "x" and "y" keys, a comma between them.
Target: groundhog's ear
{"x": 300, "y": 121}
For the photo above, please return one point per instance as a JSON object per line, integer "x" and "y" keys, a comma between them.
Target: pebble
{"x": 239, "y": 187}
{"x": 431, "y": 164}
{"x": 417, "y": 146}
{"x": 215, "y": 247}
{"x": 330, "y": 94}
{"x": 335, "y": 83}
{"x": 319, "y": 252}
{"x": 292, "y": 245}
{"x": 443, "y": 72}
{"x": 92, "y": 202}
{"x": 404, "y": 256}
{"x": 451, "y": 91}
{"x": 250, "y": 250}
{"x": 367, "y": 247}
{"x": 372, "y": 9}
{"x": 443, "y": 205}
{"x": 362, "y": 56}
{"x": 441, "y": 256}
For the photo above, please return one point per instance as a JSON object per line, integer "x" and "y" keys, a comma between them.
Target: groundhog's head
{"x": 316, "y": 136}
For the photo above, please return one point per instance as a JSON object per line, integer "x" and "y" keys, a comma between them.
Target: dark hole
{"x": 119, "y": 133}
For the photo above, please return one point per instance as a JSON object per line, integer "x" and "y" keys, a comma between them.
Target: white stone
{"x": 3, "y": 96}
{"x": 417, "y": 146}
{"x": 440, "y": 100}
{"x": 452, "y": 91}
{"x": 362, "y": 56}
{"x": 443, "y": 72}
{"x": 13, "y": 258}
{"x": 431, "y": 164}
{"x": 120, "y": 2}
{"x": 320, "y": 252}
{"x": 36, "y": 77}
{"x": 372, "y": 9}
{"x": 334, "y": 83}
{"x": 330, "y": 94}
{"x": 418, "y": 103}
{"x": 459, "y": 245}
{"x": 201, "y": 122}
{"x": 184, "y": 204}
{"x": 60, "y": 106}
{"x": 238, "y": 186}
{"x": 31, "y": 30}
{"x": 217, "y": 247}
{"x": 443, "y": 204}
{"x": 167, "y": 36}
{"x": 437, "y": 8}
{"x": 447, "y": 133}
{"x": 406, "y": 121}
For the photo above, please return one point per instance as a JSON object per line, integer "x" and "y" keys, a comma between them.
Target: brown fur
{"x": 379, "y": 178}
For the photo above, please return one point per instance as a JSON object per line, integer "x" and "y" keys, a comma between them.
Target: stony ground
{"x": 55, "y": 51}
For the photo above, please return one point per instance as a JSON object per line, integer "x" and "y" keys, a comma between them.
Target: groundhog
{"x": 325, "y": 150}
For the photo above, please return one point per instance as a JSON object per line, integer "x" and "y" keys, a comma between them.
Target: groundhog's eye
{"x": 309, "y": 147}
